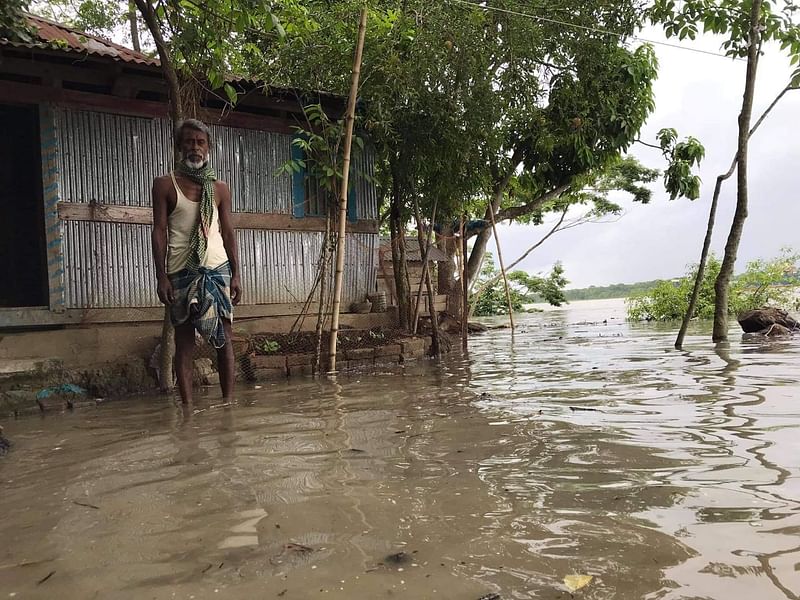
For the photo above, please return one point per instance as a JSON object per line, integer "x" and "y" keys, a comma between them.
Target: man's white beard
{"x": 195, "y": 165}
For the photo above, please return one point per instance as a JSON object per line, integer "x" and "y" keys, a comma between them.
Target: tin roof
{"x": 61, "y": 38}
{"x": 57, "y": 36}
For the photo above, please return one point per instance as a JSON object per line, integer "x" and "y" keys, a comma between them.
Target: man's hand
{"x": 236, "y": 290}
{"x": 165, "y": 292}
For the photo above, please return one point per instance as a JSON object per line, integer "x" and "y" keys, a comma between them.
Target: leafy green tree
{"x": 12, "y": 22}
{"x": 524, "y": 288}
{"x": 764, "y": 283}
{"x": 477, "y": 108}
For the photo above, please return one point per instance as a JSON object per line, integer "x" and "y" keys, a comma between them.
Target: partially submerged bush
{"x": 764, "y": 283}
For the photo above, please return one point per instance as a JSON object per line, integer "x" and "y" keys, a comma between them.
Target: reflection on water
{"x": 582, "y": 447}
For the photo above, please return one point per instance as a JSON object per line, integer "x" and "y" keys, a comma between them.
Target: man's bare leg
{"x": 226, "y": 363}
{"x": 184, "y": 360}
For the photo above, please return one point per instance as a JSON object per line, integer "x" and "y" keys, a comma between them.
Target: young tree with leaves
{"x": 748, "y": 24}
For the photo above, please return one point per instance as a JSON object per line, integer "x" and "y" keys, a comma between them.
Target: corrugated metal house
{"x": 85, "y": 131}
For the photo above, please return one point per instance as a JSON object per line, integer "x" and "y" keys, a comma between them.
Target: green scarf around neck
{"x": 198, "y": 241}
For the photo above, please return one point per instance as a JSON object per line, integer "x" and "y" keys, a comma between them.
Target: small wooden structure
{"x": 385, "y": 279}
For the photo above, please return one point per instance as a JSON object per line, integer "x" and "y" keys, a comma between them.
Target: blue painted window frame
{"x": 299, "y": 190}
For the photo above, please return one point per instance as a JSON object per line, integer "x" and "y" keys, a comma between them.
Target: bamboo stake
{"x": 464, "y": 299}
{"x": 502, "y": 270}
{"x": 425, "y": 246}
{"x": 348, "y": 140}
{"x": 436, "y": 345}
{"x": 323, "y": 288}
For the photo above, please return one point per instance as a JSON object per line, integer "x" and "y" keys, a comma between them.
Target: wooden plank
{"x": 12, "y": 91}
{"x": 50, "y": 195}
{"x": 11, "y": 318}
{"x": 84, "y": 211}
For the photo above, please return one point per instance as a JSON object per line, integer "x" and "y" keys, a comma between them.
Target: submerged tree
{"x": 748, "y": 25}
{"x": 764, "y": 283}
{"x": 485, "y": 109}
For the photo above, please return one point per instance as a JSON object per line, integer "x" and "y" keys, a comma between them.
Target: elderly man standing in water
{"x": 195, "y": 254}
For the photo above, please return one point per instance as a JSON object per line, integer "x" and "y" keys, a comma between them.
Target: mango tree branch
{"x": 498, "y": 190}
{"x": 148, "y": 13}
{"x": 514, "y": 212}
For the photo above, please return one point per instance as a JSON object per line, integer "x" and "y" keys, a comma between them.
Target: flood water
{"x": 595, "y": 450}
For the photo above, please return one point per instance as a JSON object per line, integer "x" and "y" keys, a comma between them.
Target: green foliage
{"x": 98, "y": 17}
{"x": 730, "y": 18}
{"x": 615, "y": 290}
{"x": 268, "y": 346}
{"x": 490, "y": 299}
{"x": 322, "y": 145}
{"x": 681, "y": 156}
{"x": 450, "y": 92}
{"x": 13, "y": 25}
{"x": 764, "y": 283}
{"x": 208, "y": 40}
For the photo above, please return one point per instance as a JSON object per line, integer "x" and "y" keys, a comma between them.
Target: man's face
{"x": 194, "y": 148}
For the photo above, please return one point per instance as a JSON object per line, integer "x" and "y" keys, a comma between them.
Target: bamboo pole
{"x": 436, "y": 345}
{"x": 425, "y": 247}
{"x": 323, "y": 290}
{"x": 348, "y": 141}
{"x": 502, "y": 270}
{"x": 464, "y": 293}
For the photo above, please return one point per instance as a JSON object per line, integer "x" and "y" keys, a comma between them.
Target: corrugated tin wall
{"x": 112, "y": 159}
{"x": 366, "y": 194}
{"x": 248, "y": 161}
{"x": 109, "y": 265}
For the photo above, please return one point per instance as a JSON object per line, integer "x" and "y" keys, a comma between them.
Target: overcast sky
{"x": 699, "y": 95}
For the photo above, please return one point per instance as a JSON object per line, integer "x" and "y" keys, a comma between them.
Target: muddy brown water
{"x": 680, "y": 482}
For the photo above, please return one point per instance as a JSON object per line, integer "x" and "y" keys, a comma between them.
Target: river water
{"x": 579, "y": 447}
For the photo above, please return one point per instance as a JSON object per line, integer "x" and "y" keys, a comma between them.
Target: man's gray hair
{"x": 191, "y": 124}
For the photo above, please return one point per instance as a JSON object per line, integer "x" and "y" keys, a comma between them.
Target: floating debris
{"x": 576, "y": 582}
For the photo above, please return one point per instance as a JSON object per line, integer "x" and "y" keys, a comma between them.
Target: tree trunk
{"x": 709, "y": 230}
{"x": 701, "y": 268}
{"x": 176, "y": 114}
{"x": 148, "y": 13}
{"x": 425, "y": 243}
{"x": 402, "y": 287}
{"x": 482, "y": 239}
{"x": 446, "y": 272}
{"x": 720, "y": 332}
{"x": 132, "y": 20}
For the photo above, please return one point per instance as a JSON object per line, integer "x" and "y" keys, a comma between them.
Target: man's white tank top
{"x": 182, "y": 220}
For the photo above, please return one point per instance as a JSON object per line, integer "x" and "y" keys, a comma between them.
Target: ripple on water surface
{"x": 579, "y": 447}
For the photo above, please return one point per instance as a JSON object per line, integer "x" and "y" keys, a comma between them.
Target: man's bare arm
{"x": 159, "y": 238}
{"x": 229, "y": 239}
